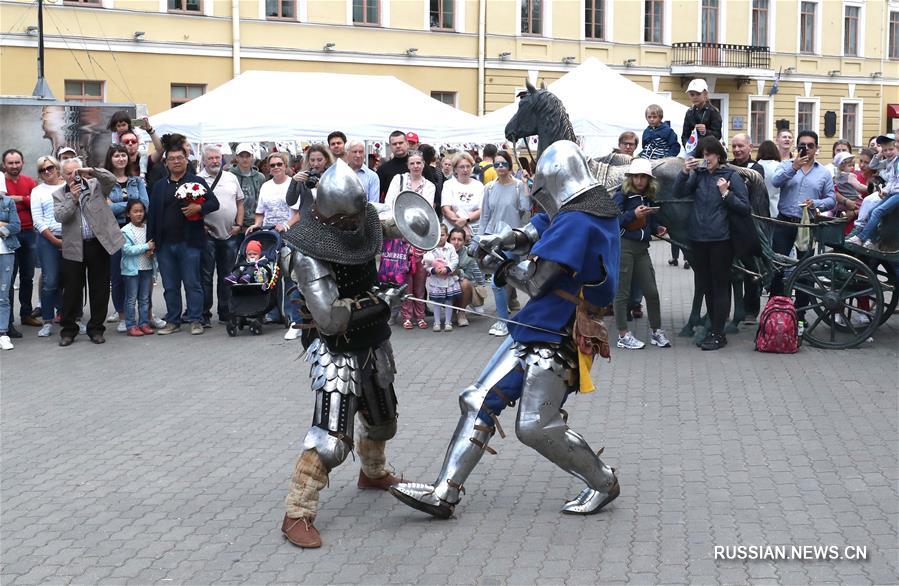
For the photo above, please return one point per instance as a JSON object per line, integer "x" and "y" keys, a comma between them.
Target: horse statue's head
{"x": 540, "y": 112}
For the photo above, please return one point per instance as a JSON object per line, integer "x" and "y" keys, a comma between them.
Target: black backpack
{"x": 479, "y": 171}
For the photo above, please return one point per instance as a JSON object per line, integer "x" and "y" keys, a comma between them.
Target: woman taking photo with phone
{"x": 716, "y": 191}
{"x": 639, "y": 224}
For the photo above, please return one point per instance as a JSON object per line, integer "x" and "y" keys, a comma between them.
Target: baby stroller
{"x": 251, "y": 301}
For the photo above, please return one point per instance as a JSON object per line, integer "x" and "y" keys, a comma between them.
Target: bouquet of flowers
{"x": 191, "y": 193}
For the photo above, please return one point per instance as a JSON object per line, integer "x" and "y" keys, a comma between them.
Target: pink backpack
{"x": 778, "y": 327}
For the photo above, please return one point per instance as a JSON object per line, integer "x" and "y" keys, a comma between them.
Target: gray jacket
{"x": 99, "y": 215}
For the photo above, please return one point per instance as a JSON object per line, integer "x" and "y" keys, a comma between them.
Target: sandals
{"x": 422, "y": 324}
{"x": 407, "y": 325}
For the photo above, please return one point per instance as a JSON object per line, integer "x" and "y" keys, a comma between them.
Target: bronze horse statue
{"x": 542, "y": 114}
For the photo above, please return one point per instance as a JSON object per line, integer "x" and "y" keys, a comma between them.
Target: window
{"x": 531, "y": 17}
{"x": 594, "y": 19}
{"x": 442, "y": 14}
{"x": 448, "y": 98}
{"x": 185, "y": 6}
{"x": 185, "y": 92}
{"x": 88, "y": 91}
{"x": 758, "y": 120}
{"x": 366, "y": 12}
{"x": 850, "y": 129}
{"x": 760, "y": 11}
{"x": 807, "y": 18}
{"x": 281, "y": 9}
{"x": 652, "y": 21}
{"x": 894, "y": 35}
{"x": 95, "y": 2}
{"x": 709, "y": 21}
{"x": 806, "y": 115}
{"x": 850, "y": 31}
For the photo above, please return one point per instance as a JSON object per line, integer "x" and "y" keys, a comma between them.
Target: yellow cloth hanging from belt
{"x": 584, "y": 363}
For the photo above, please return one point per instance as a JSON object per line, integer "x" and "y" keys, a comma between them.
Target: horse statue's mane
{"x": 542, "y": 113}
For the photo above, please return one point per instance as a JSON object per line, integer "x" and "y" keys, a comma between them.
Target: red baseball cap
{"x": 412, "y": 137}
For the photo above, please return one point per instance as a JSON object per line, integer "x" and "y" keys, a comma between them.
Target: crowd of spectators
{"x": 118, "y": 230}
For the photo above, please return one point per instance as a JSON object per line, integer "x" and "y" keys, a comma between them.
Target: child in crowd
{"x": 254, "y": 269}
{"x": 703, "y": 116}
{"x": 471, "y": 278}
{"x": 443, "y": 284}
{"x": 397, "y": 269}
{"x": 659, "y": 140}
{"x": 846, "y": 186}
{"x": 887, "y": 162}
{"x": 137, "y": 270}
{"x": 119, "y": 124}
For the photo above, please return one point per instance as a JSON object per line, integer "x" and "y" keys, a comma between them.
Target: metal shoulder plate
{"x": 305, "y": 269}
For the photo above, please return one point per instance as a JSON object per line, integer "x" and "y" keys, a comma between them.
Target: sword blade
{"x": 490, "y": 315}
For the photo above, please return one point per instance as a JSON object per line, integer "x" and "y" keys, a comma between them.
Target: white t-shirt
{"x": 462, "y": 199}
{"x": 228, "y": 192}
{"x": 273, "y": 203}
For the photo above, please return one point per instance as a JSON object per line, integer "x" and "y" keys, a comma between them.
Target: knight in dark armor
{"x": 570, "y": 271}
{"x": 332, "y": 261}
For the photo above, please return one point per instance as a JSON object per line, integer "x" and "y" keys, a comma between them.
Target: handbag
{"x": 803, "y": 233}
{"x": 479, "y": 294}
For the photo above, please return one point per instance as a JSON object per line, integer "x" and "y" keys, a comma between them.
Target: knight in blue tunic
{"x": 570, "y": 271}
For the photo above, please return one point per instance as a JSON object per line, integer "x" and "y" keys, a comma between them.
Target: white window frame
{"x": 892, "y": 6}
{"x": 455, "y": 103}
{"x": 816, "y": 50}
{"x": 860, "y": 4}
{"x": 722, "y": 20}
{"x": 772, "y": 23}
{"x": 666, "y": 22}
{"x": 769, "y": 123}
{"x": 546, "y": 15}
{"x": 458, "y": 17}
{"x": 607, "y": 22}
{"x": 300, "y": 9}
{"x": 207, "y": 8}
{"x": 859, "y": 120}
{"x": 725, "y": 114}
{"x": 817, "y": 112}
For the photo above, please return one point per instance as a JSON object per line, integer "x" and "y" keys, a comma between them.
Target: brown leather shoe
{"x": 98, "y": 339}
{"x": 66, "y": 341}
{"x": 31, "y": 321}
{"x": 377, "y": 483}
{"x": 301, "y": 532}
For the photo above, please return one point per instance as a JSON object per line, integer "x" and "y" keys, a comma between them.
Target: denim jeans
{"x": 50, "y": 257}
{"x": 116, "y": 282}
{"x": 502, "y": 300}
{"x": 877, "y": 213}
{"x": 7, "y": 262}
{"x": 180, "y": 264}
{"x": 24, "y": 267}
{"x": 137, "y": 293}
{"x": 218, "y": 258}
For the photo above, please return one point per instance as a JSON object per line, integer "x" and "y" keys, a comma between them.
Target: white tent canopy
{"x": 600, "y": 102}
{"x": 287, "y": 106}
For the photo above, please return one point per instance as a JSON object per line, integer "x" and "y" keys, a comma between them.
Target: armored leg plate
{"x": 421, "y": 496}
{"x": 591, "y": 501}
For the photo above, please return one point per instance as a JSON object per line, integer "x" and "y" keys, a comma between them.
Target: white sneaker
{"x": 112, "y": 318}
{"x": 121, "y": 328}
{"x": 871, "y": 245}
{"x": 45, "y": 330}
{"x": 462, "y": 320}
{"x": 839, "y": 319}
{"x": 82, "y": 329}
{"x": 158, "y": 323}
{"x": 436, "y": 326}
{"x": 5, "y": 343}
{"x": 293, "y": 332}
{"x": 657, "y": 338}
{"x": 499, "y": 329}
{"x": 448, "y": 328}
{"x": 859, "y": 319}
{"x": 477, "y": 309}
{"x": 854, "y": 240}
{"x": 629, "y": 342}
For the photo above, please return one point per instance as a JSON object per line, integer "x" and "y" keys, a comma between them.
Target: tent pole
{"x": 482, "y": 24}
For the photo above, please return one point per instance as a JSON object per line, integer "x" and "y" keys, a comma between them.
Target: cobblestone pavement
{"x": 166, "y": 460}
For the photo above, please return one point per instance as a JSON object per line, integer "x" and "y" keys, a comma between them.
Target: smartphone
{"x": 703, "y": 164}
{"x": 137, "y": 122}
{"x": 802, "y": 151}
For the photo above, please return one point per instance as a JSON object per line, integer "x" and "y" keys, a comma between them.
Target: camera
{"x": 803, "y": 151}
{"x": 313, "y": 179}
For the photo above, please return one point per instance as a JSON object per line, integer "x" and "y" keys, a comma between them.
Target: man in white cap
{"x": 250, "y": 180}
{"x": 703, "y": 116}
{"x": 65, "y": 153}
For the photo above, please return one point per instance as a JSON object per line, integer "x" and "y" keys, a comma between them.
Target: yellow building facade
{"x": 835, "y": 62}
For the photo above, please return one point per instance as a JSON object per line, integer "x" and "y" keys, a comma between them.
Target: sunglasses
{"x": 501, "y": 165}
{"x": 129, "y": 142}
{"x": 807, "y": 145}
{"x": 47, "y": 169}
{"x": 276, "y": 164}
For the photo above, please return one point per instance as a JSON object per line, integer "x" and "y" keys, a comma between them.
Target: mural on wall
{"x": 39, "y": 129}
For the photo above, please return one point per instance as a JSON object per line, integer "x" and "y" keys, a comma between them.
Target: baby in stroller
{"x": 254, "y": 268}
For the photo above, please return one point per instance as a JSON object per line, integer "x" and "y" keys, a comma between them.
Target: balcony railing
{"x": 720, "y": 55}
